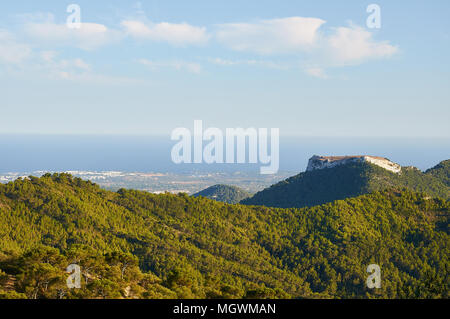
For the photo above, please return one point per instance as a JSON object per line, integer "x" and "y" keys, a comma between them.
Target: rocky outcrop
{"x": 321, "y": 162}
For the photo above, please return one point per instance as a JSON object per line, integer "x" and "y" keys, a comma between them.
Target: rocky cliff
{"x": 321, "y": 162}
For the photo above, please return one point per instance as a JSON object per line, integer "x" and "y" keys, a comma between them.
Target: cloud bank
{"x": 176, "y": 34}
{"x": 306, "y": 39}
{"x": 191, "y": 67}
{"x": 89, "y": 36}
{"x": 11, "y": 51}
{"x": 277, "y": 36}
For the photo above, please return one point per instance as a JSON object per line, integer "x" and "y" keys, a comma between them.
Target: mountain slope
{"x": 224, "y": 193}
{"x": 326, "y": 185}
{"x": 194, "y": 247}
{"x": 441, "y": 172}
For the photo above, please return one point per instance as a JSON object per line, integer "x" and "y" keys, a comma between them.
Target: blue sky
{"x": 310, "y": 68}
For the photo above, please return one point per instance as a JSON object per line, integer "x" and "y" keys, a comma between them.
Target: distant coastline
{"x": 28, "y": 153}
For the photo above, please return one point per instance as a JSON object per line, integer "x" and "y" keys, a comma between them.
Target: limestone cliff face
{"x": 321, "y": 162}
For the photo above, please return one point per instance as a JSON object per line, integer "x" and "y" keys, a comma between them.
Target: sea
{"x": 27, "y": 153}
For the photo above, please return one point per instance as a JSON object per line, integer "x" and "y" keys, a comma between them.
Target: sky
{"x": 309, "y": 68}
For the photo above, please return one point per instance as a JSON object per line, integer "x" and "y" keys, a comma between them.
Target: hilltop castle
{"x": 320, "y": 162}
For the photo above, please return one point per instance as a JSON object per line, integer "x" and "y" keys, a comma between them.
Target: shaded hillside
{"x": 224, "y": 193}
{"x": 135, "y": 244}
{"x": 441, "y": 172}
{"x": 326, "y": 185}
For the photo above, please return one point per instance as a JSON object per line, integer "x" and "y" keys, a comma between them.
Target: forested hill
{"x": 132, "y": 244}
{"x": 441, "y": 172}
{"x": 326, "y": 185}
{"x": 224, "y": 193}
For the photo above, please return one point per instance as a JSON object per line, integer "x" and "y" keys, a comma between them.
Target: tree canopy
{"x": 133, "y": 244}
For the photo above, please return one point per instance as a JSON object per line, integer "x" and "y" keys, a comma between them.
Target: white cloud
{"x": 316, "y": 72}
{"x": 191, "y": 67}
{"x": 47, "y": 65}
{"x": 220, "y": 61}
{"x": 100, "y": 79}
{"x": 11, "y": 51}
{"x": 277, "y": 36}
{"x": 305, "y": 39}
{"x": 61, "y": 68}
{"x": 353, "y": 45}
{"x": 26, "y": 60}
{"x": 89, "y": 36}
{"x": 80, "y": 64}
{"x": 76, "y": 70}
{"x": 251, "y": 62}
{"x": 295, "y": 35}
{"x": 176, "y": 34}
{"x": 21, "y": 55}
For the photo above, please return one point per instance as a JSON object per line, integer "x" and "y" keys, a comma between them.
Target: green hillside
{"x": 133, "y": 244}
{"x": 441, "y": 172}
{"x": 224, "y": 193}
{"x": 326, "y": 185}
